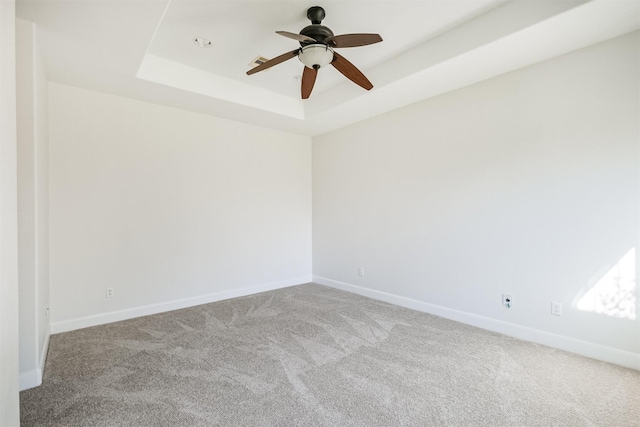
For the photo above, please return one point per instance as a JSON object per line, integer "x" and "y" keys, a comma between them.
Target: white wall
{"x": 33, "y": 247}
{"x": 526, "y": 184}
{"x": 26, "y": 195}
{"x": 41, "y": 171}
{"x": 9, "y": 407}
{"x": 168, "y": 207}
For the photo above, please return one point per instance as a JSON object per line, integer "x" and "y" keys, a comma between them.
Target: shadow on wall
{"x": 614, "y": 292}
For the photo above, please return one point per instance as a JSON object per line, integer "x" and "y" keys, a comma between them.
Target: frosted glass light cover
{"x": 316, "y": 54}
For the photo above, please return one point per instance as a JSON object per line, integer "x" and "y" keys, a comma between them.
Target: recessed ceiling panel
{"x": 145, "y": 50}
{"x": 242, "y": 30}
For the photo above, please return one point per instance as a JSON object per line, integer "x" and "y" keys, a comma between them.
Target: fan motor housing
{"x": 316, "y": 31}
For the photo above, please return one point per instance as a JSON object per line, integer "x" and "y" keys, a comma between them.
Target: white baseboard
{"x": 33, "y": 378}
{"x": 146, "y": 310}
{"x": 583, "y": 348}
{"x": 30, "y": 379}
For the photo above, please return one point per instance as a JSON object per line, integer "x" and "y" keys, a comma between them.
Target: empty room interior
{"x": 343, "y": 213}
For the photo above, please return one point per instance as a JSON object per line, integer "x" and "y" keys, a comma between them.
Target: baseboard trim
{"x": 30, "y": 379}
{"x": 33, "y": 378}
{"x": 146, "y": 310}
{"x": 583, "y": 348}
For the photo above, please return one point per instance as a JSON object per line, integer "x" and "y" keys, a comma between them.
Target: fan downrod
{"x": 315, "y": 14}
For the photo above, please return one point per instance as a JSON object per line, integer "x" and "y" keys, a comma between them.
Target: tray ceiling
{"x": 145, "y": 50}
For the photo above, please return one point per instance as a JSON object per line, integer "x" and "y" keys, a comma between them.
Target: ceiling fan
{"x": 317, "y": 50}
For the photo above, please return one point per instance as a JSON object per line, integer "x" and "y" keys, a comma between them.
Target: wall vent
{"x": 259, "y": 60}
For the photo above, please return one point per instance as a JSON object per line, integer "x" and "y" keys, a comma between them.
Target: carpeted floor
{"x": 314, "y": 356}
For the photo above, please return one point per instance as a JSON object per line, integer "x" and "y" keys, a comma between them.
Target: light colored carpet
{"x": 314, "y": 356}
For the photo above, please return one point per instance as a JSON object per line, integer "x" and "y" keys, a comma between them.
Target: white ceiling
{"x": 143, "y": 49}
{"x": 240, "y": 31}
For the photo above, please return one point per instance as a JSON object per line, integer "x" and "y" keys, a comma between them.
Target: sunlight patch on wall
{"x": 615, "y": 293}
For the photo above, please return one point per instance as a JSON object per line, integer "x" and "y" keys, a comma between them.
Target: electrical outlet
{"x": 46, "y": 313}
{"x": 109, "y": 293}
{"x": 556, "y": 308}
{"x": 506, "y": 300}
{"x": 360, "y": 271}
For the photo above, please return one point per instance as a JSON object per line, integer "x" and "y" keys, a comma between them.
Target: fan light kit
{"x": 202, "y": 42}
{"x": 315, "y": 55}
{"x": 317, "y": 44}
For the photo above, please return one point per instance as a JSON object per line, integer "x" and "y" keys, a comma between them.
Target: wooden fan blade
{"x": 274, "y": 61}
{"x": 308, "y": 80}
{"x": 350, "y": 71}
{"x": 295, "y": 36}
{"x": 353, "y": 40}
